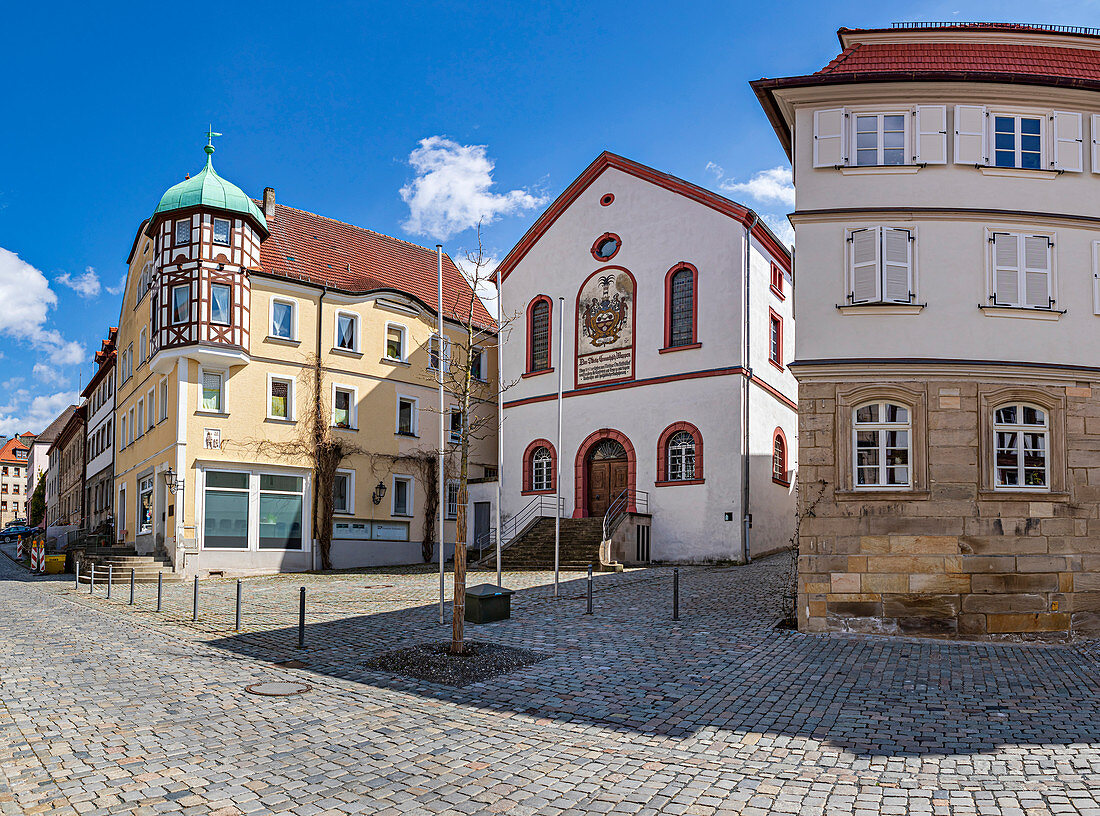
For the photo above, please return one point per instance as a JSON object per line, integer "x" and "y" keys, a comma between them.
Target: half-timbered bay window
{"x": 1022, "y": 270}
{"x": 1021, "y": 437}
{"x": 181, "y": 304}
{"x": 882, "y": 434}
{"x": 221, "y": 231}
{"x": 880, "y": 265}
{"x": 219, "y": 303}
{"x": 183, "y": 232}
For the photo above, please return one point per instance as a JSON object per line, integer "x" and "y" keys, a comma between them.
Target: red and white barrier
{"x": 38, "y": 556}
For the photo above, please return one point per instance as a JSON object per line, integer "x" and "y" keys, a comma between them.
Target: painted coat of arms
{"x": 604, "y": 315}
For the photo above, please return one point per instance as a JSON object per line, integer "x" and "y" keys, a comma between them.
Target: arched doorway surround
{"x": 618, "y": 475}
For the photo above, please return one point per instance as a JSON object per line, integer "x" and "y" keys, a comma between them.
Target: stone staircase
{"x": 123, "y": 559}
{"x": 534, "y": 549}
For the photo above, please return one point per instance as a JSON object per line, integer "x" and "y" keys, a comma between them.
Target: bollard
{"x": 237, "y": 623}
{"x": 589, "y": 610}
{"x": 676, "y": 593}
{"x": 160, "y": 588}
{"x": 110, "y": 579}
{"x": 91, "y": 580}
{"x": 77, "y": 575}
{"x": 302, "y": 618}
{"x": 131, "y": 586}
{"x": 195, "y": 601}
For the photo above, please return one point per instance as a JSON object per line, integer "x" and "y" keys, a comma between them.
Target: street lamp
{"x": 171, "y": 482}
{"x": 379, "y": 492}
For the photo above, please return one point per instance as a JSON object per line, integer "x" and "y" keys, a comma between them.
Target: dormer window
{"x": 221, "y": 231}
{"x": 181, "y": 304}
{"x": 183, "y": 232}
{"x": 219, "y": 303}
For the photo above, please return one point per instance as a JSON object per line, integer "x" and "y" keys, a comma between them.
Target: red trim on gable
{"x": 580, "y": 470}
{"x": 528, "y": 472}
{"x": 671, "y": 183}
{"x": 662, "y": 455}
{"x": 694, "y": 307}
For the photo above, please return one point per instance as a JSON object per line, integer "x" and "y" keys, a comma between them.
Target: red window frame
{"x": 775, "y": 347}
{"x": 662, "y": 455}
{"x": 531, "y": 370}
{"x": 694, "y": 344}
{"x": 777, "y": 281}
{"x": 529, "y": 470}
{"x": 779, "y": 463}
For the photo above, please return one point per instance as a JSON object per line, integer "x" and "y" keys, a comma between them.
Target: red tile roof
{"x": 985, "y": 58}
{"x": 308, "y": 247}
{"x": 6, "y": 452}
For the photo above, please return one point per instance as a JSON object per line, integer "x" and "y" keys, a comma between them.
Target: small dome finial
{"x": 209, "y": 148}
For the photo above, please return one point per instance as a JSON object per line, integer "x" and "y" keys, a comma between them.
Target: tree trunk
{"x": 458, "y": 645}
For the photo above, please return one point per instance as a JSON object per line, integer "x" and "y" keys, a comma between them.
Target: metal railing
{"x": 629, "y": 501}
{"x": 1061, "y": 29}
{"x": 538, "y": 507}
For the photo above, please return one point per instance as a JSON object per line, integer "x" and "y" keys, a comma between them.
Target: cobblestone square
{"x": 111, "y": 708}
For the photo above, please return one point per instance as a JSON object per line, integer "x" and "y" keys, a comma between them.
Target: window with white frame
{"x": 880, "y": 138}
{"x": 283, "y": 324}
{"x": 122, "y": 433}
{"x": 183, "y": 232}
{"x": 347, "y": 331}
{"x": 130, "y": 433}
{"x": 881, "y": 433}
{"x": 181, "y": 304}
{"x": 452, "y": 498}
{"x": 1023, "y": 270}
{"x": 343, "y": 492}
{"x": 401, "y": 503}
{"x": 280, "y": 511}
{"x": 433, "y": 353}
{"x": 226, "y": 510}
{"x": 1023, "y": 140}
{"x": 880, "y": 265}
{"x": 220, "y": 299}
{"x": 1021, "y": 440}
{"x": 140, "y": 429}
{"x": 542, "y": 469}
{"x": 395, "y": 342}
{"x": 681, "y": 457}
{"x": 343, "y": 407}
{"x": 455, "y": 425}
{"x": 477, "y": 363}
{"x": 213, "y": 384}
{"x": 406, "y": 416}
{"x": 150, "y": 406}
{"x": 1018, "y": 141}
{"x": 280, "y": 395}
{"x": 164, "y": 399}
{"x": 145, "y": 506}
{"x": 221, "y": 231}
{"x": 142, "y": 346}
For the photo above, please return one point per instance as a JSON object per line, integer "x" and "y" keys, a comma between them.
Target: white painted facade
{"x": 664, "y": 224}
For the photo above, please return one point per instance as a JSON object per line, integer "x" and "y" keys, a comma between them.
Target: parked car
{"x": 17, "y": 522}
{"x": 13, "y": 532}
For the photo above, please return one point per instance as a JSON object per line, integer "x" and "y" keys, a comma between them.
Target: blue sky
{"x": 413, "y": 119}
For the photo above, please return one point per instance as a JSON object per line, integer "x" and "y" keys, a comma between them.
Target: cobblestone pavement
{"x": 112, "y": 708}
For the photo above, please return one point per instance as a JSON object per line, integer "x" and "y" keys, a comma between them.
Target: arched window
{"x": 538, "y": 335}
{"x": 779, "y": 459}
{"x": 1021, "y": 439}
{"x": 538, "y": 467}
{"x": 681, "y": 457}
{"x": 680, "y": 298}
{"x": 881, "y": 446}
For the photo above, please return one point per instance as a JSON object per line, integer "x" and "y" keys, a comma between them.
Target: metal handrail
{"x": 1063, "y": 29}
{"x": 629, "y": 498}
{"x": 538, "y": 507}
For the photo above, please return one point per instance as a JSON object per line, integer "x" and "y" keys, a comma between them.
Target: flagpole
{"x": 557, "y": 459}
{"x": 442, "y": 481}
{"x": 500, "y": 421}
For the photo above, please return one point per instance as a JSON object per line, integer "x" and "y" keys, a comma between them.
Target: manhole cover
{"x": 277, "y": 688}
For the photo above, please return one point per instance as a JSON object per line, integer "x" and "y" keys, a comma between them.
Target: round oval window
{"x": 607, "y": 247}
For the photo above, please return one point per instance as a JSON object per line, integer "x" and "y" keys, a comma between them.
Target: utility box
{"x": 55, "y": 564}
{"x": 486, "y": 603}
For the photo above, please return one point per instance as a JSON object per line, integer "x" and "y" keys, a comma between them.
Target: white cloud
{"x": 774, "y": 186}
{"x": 451, "y": 190}
{"x": 87, "y": 285}
{"x": 781, "y": 227}
{"x": 34, "y": 414}
{"x": 117, "y": 290}
{"x": 44, "y": 373}
{"x": 27, "y": 298}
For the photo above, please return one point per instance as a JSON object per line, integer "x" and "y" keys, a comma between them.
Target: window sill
{"x": 668, "y": 349}
{"x": 394, "y": 361}
{"x": 1018, "y": 172}
{"x": 343, "y": 428}
{"x": 212, "y": 413}
{"x": 347, "y": 352}
{"x": 986, "y": 494}
{"x": 882, "y": 308}
{"x": 280, "y": 420}
{"x": 777, "y": 365}
{"x": 282, "y": 341}
{"x": 778, "y": 293}
{"x": 782, "y": 482}
{"x": 537, "y": 492}
{"x": 406, "y": 435}
{"x": 880, "y": 169}
{"x": 882, "y": 495}
{"x": 527, "y": 374}
{"x": 1020, "y": 311}
{"x": 401, "y": 515}
{"x": 679, "y": 483}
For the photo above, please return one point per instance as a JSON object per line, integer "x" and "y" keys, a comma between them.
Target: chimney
{"x": 269, "y": 203}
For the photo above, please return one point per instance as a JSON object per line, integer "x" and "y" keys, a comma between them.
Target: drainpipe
{"x": 320, "y": 316}
{"x": 747, "y": 367}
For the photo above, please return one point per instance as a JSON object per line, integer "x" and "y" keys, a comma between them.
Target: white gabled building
{"x": 678, "y": 403}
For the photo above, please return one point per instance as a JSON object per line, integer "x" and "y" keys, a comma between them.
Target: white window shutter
{"x": 1096, "y": 277}
{"x": 970, "y": 138}
{"x": 1037, "y": 278}
{"x": 864, "y": 259}
{"x": 930, "y": 139}
{"x": 897, "y": 265}
{"x": 830, "y": 142}
{"x": 1006, "y": 269}
{"x": 1095, "y": 132}
{"x": 1068, "y": 141}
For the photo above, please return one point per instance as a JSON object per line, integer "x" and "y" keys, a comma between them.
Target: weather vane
{"x": 210, "y": 134}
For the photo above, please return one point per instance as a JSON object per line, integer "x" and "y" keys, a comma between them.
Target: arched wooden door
{"x": 608, "y": 475}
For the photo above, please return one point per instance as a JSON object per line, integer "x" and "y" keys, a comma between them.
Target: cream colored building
{"x": 226, "y": 304}
{"x": 14, "y": 499}
{"x": 948, "y": 307}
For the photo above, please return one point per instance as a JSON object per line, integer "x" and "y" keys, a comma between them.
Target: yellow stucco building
{"x": 227, "y": 304}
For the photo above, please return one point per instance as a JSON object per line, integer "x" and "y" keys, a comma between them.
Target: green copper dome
{"x": 208, "y": 189}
